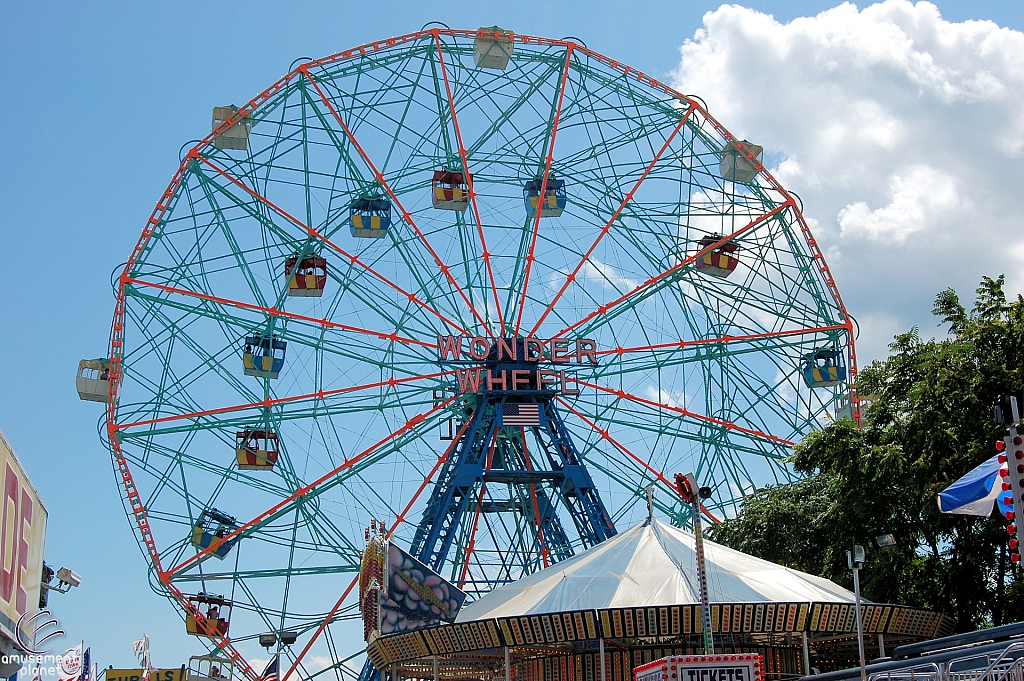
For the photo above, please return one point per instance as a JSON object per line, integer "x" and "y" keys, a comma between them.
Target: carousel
{"x": 632, "y": 599}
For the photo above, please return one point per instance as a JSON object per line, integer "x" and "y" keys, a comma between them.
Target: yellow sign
{"x": 154, "y": 674}
{"x": 22, "y": 534}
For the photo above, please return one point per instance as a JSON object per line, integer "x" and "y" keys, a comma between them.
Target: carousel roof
{"x": 651, "y": 564}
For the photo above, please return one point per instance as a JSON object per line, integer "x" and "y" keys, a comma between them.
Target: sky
{"x": 900, "y": 126}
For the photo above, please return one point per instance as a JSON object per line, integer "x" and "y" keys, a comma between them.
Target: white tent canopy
{"x": 651, "y": 564}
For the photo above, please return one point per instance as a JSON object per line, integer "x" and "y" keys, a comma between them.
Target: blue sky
{"x": 99, "y": 99}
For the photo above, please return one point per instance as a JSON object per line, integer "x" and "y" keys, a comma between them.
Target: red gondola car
{"x": 216, "y": 611}
{"x": 310, "y": 276}
{"x": 256, "y": 450}
{"x": 451, "y": 190}
{"x": 720, "y": 262}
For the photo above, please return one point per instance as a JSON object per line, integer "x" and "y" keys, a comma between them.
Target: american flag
{"x": 271, "y": 672}
{"x": 518, "y": 414}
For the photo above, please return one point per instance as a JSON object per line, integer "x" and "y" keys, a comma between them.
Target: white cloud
{"x": 608, "y": 276}
{"x": 662, "y": 396}
{"x": 917, "y": 201}
{"x": 901, "y": 131}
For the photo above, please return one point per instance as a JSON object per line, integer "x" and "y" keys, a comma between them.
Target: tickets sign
{"x": 732, "y": 667}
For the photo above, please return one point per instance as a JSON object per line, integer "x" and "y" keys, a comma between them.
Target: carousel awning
{"x": 647, "y": 565}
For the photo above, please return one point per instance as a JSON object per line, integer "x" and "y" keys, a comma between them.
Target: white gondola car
{"x": 93, "y": 380}
{"x": 492, "y": 47}
{"x": 734, "y": 165}
{"x": 235, "y": 137}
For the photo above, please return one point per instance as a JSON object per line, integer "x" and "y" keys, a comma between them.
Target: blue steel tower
{"x": 514, "y": 495}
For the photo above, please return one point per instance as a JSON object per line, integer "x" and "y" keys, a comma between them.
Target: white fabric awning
{"x": 651, "y": 564}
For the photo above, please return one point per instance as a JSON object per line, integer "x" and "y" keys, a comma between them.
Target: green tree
{"x": 930, "y": 422}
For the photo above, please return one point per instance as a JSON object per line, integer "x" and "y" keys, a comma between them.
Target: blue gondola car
{"x": 263, "y": 356}
{"x": 210, "y": 530}
{"x": 554, "y": 197}
{"x": 371, "y": 217}
{"x": 823, "y": 368}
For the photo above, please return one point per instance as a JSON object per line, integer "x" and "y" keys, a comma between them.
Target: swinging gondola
{"x": 719, "y": 262}
{"x": 492, "y": 47}
{"x": 554, "y": 197}
{"x": 450, "y": 190}
{"x": 210, "y": 530}
{"x": 263, "y": 356}
{"x": 370, "y": 217}
{"x": 823, "y": 368}
{"x": 215, "y": 614}
{"x": 256, "y": 450}
{"x": 306, "y": 278}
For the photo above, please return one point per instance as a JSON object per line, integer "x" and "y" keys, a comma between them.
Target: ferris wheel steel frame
{"x": 138, "y": 509}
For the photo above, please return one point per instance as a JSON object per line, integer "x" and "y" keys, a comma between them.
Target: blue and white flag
{"x": 975, "y": 493}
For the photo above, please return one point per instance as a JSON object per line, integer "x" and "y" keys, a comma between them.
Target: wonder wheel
{"x": 481, "y": 287}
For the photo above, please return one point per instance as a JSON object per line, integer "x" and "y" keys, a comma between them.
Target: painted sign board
{"x": 726, "y": 667}
{"x": 415, "y": 596}
{"x": 22, "y": 535}
{"x": 154, "y": 674}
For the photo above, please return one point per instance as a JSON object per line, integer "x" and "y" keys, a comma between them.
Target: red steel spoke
{"x": 320, "y": 629}
{"x": 469, "y": 181}
{"x": 682, "y": 343}
{"x": 398, "y": 521}
{"x": 603, "y": 309}
{"x": 354, "y": 259}
{"x": 406, "y": 215}
{"x": 277, "y": 312}
{"x": 571, "y": 277}
{"x": 544, "y": 186}
{"x": 622, "y": 448}
{"x": 306, "y": 489}
{"x": 271, "y": 402}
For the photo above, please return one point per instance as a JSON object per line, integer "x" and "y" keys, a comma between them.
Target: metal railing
{"x": 1007, "y": 665}
{"x": 917, "y": 672}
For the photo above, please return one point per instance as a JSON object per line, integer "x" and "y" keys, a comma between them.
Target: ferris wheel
{"x": 482, "y": 288}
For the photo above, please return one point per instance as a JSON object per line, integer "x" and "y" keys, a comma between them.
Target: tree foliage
{"x": 930, "y": 423}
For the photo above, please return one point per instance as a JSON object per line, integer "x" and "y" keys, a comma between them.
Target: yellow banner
{"x": 154, "y": 675}
{"x": 22, "y": 534}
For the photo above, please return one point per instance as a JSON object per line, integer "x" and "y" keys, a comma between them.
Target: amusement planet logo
{"x": 32, "y": 623}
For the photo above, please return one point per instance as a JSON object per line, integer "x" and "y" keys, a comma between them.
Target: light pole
{"x": 855, "y": 559}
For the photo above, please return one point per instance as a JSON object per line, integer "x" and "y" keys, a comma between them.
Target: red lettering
{"x": 492, "y": 381}
{"x": 560, "y": 351}
{"x": 520, "y": 377}
{"x": 586, "y": 348}
{"x": 23, "y": 548}
{"x": 531, "y": 345}
{"x": 449, "y": 344}
{"x": 546, "y": 378}
{"x": 9, "y": 551}
{"x": 565, "y": 384}
{"x": 506, "y": 351}
{"x": 478, "y": 341}
{"x": 468, "y": 380}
